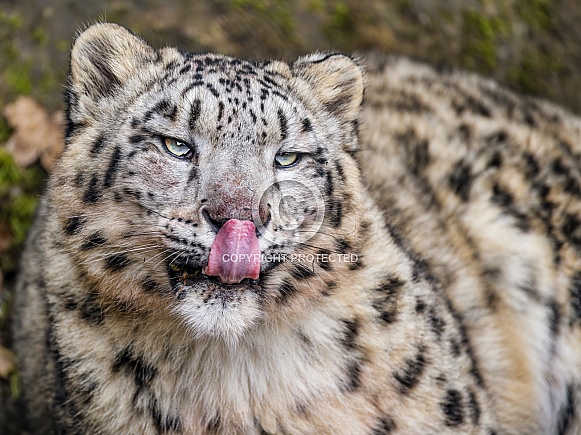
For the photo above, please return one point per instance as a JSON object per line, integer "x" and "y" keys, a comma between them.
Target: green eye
{"x": 177, "y": 148}
{"x": 284, "y": 160}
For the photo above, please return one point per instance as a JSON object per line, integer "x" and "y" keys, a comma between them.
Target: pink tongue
{"x": 235, "y": 253}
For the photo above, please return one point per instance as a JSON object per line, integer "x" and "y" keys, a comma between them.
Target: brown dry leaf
{"x": 36, "y": 134}
{"x": 6, "y": 363}
{"x": 55, "y": 141}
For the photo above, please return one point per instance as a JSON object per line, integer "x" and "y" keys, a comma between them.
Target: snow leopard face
{"x": 221, "y": 190}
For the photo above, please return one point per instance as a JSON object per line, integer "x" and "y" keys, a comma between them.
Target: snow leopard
{"x": 322, "y": 246}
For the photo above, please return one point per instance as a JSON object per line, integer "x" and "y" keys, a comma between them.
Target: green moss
{"x": 538, "y": 14}
{"x": 120, "y": 12}
{"x": 14, "y": 386}
{"x": 14, "y": 74}
{"x": 20, "y": 72}
{"x": 63, "y": 45}
{"x": 9, "y": 173}
{"x": 22, "y": 211}
{"x": 405, "y": 9}
{"x": 480, "y": 36}
{"x": 339, "y": 27}
{"x": 5, "y": 130}
{"x": 4, "y": 309}
{"x": 10, "y": 22}
{"x": 258, "y": 5}
{"x": 340, "y": 18}
{"x": 19, "y": 197}
{"x": 18, "y": 79}
{"x": 316, "y": 6}
{"x": 40, "y": 37}
{"x": 532, "y": 74}
{"x": 48, "y": 82}
{"x": 277, "y": 12}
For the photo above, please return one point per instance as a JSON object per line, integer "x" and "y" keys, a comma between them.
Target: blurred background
{"x": 532, "y": 46}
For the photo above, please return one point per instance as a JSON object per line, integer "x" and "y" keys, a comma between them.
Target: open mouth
{"x": 185, "y": 272}
{"x": 235, "y": 254}
{"x": 235, "y": 259}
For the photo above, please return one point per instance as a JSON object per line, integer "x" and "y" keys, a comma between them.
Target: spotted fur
{"x": 457, "y": 203}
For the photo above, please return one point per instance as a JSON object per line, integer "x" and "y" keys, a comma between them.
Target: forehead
{"x": 228, "y": 79}
{"x": 224, "y": 96}
{"x": 231, "y": 73}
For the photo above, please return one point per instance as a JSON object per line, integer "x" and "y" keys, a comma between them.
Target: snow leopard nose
{"x": 225, "y": 202}
{"x": 216, "y": 219}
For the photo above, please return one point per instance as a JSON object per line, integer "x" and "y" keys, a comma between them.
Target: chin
{"x": 219, "y": 311}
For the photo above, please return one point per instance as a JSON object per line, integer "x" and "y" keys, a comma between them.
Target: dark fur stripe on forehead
{"x": 192, "y": 86}
{"x": 220, "y": 110}
{"x": 213, "y": 90}
{"x": 283, "y": 124}
{"x": 195, "y": 113}
{"x": 163, "y": 108}
{"x": 307, "y": 126}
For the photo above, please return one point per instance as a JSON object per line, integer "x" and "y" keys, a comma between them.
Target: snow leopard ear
{"x": 336, "y": 80}
{"x": 104, "y": 57}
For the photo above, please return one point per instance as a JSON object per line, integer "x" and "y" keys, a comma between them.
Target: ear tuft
{"x": 336, "y": 80}
{"x": 104, "y": 57}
